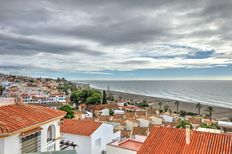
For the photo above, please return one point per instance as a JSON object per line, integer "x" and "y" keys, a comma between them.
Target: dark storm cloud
{"x": 115, "y": 30}
{"x": 15, "y": 44}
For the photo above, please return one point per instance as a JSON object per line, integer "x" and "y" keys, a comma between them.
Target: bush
{"x": 183, "y": 113}
{"x": 191, "y": 113}
{"x": 183, "y": 124}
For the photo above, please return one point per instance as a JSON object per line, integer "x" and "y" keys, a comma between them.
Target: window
{"x": 98, "y": 143}
{"x": 51, "y": 133}
{"x": 31, "y": 143}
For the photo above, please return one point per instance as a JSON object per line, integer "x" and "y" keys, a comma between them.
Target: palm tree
{"x": 160, "y": 105}
{"x": 166, "y": 107}
{"x": 198, "y": 106}
{"x": 210, "y": 110}
{"x": 177, "y": 106}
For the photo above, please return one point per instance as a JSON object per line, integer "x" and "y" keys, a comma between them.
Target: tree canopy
{"x": 87, "y": 96}
{"x": 69, "y": 110}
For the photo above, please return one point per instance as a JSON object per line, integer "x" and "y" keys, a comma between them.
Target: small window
{"x": 98, "y": 143}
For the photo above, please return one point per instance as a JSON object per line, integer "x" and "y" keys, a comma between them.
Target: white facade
{"x": 117, "y": 150}
{"x": 95, "y": 143}
{"x": 130, "y": 124}
{"x": 167, "y": 118}
{"x": 12, "y": 144}
{"x": 144, "y": 122}
{"x": 156, "y": 120}
{"x": 105, "y": 112}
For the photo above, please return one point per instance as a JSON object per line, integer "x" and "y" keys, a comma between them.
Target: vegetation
{"x": 160, "y": 105}
{"x": 183, "y": 113}
{"x": 183, "y": 124}
{"x": 87, "y": 96}
{"x": 104, "y": 100}
{"x": 144, "y": 103}
{"x": 210, "y": 126}
{"x": 66, "y": 87}
{"x": 198, "y": 106}
{"x": 191, "y": 114}
{"x": 177, "y": 103}
{"x": 1, "y": 90}
{"x": 111, "y": 112}
{"x": 210, "y": 110}
{"x": 230, "y": 119}
{"x": 69, "y": 110}
{"x": 166, "y": 107}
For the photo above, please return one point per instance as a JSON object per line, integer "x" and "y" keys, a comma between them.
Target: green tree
{"x": 210, "y": 110}
{"x": 183, "y": 113}
{"x": 160, "y": 105}
{"x": 69, "y": 110}
{"x": 183, "y": 124}
{"x": 177, "y": 103}
{"x": 104, "y": 100}
{"x": 230, "y": 119}
{"x": 1, "y": 90}
{"x": 88, "y": 96}
{"x": 198, "y": 106}
{"x": 166, "y": 107}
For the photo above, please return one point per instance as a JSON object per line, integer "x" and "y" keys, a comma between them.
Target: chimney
{"x": 187, "y": 134}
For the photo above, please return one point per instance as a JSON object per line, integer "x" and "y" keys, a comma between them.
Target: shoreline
{"x": 219, "y": 112}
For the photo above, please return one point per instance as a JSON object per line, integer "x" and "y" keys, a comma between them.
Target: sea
{"x": 212, "y": 92}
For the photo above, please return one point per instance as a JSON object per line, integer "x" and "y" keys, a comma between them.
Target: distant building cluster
{"x": 29, "y": 123}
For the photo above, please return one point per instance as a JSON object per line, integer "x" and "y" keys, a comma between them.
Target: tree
{"x": 160, "y": 105}
{"x": 210, "y": 110}
{"x": 183, "y": 113}
{"x": 183, "y": 124}
{"x": 88, "y": 96}
{"x": 166, "y": 107}
{"x": 230, "y": 119}
{"x": 104, "y": 100}
{"x": 170, "y": 111}
{"x": 198, "y": 106}
{"x": 177, "y": 103}
{"x": 1, "y": 90}
{"x": 69, "y": 110}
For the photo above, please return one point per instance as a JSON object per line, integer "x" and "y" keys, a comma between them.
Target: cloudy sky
{"x": 123, "y": 39}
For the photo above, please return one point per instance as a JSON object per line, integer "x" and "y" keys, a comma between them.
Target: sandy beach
{"x": 219, "y": 112}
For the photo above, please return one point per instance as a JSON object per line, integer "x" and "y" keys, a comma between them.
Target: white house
{"x": 131, "y": 123}
{"x": 167, "y": 118}
{"x": 29, "y": 129}
{"x": 127, "y": 146}
{"x": 144, "y": 122}
{"x": 91, "y": 137}
{"x": 156, "y": 120}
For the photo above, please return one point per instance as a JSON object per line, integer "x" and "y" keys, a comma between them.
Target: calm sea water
{"x": 217, "y": 93}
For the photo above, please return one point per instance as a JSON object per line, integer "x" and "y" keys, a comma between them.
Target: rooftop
{"x": 19, "y": 116}
{"x": 129, "y": 144}
{"x": 172, "y": 140}
{"x": 80, "y": 127}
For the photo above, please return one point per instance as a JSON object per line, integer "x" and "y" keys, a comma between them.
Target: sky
{"x": 117, "y": 40}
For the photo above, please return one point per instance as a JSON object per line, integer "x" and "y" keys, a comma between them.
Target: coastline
{"x": 219, "y": 112}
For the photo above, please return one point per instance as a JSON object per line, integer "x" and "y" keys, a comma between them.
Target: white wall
{"x": 105, "y": 112}
{"x": 105, "y": 132}
{"x": 83, "y": 142}
{"x": 143, "y": 122}
{"x": 10, "y": 145}
{"x": 116, "y": 150}
{"x": 167, "y": 118}
{"x": 44, "y": 135}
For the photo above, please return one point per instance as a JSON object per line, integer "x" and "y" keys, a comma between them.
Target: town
{"x": 39, "y": 115}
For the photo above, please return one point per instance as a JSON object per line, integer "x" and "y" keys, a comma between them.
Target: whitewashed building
{"x": 91, "y": 137}
{"x": 29, "y": 129}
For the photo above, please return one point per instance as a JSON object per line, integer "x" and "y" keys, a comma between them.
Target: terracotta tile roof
{"x": 131, "y": 145}
{"x": 80, "y": 127}
{"x": 164, "y": 140}
{"x": 19, "y": 116}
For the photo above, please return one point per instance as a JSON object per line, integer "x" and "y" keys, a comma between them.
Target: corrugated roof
{"x": 165, "y": 140}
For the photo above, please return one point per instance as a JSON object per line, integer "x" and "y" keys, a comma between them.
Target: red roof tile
{"x": 164, "y": 140}
{"x": 131, "y": 145}
{"x": 19, "y": 116}
{"x": 80, "y": 127}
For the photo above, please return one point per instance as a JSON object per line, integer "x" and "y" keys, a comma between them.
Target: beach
{"x": 218, "y": 113}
